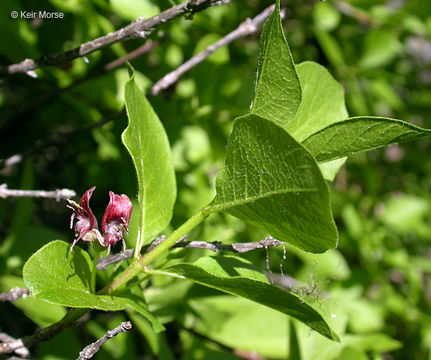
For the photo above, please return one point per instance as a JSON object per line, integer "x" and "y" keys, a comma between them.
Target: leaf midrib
{"x": 234, "y": 203}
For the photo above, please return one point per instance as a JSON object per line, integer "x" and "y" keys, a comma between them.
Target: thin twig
{"x": 93, "y": 348}
{"x": 213, "y": 246}
{"x": 103, "y": 263}
{"x": 246, "y": 28}
{"x": 55, "y": 194}
{"x": 237, "y": 247}
{"x": 14, "y": 294}
{"x": 138, "y": 28}
{"x": 39, "y": 336}
{"x": 23, "y": 351}
{"x": 156, "y": 242}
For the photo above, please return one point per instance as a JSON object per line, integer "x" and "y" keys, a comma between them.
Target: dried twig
{"x": 246, "y": 28}
{"x": 55, "y": 194}
{"x": 23, "y": 351}
{"x": 237, "y": 247}
{"x": 138, "y": 28}
{"x": 39, "y": 336}
{"x": 103, "y": 263}
{"x": 14, "y": 294}
{"x": 213, "y": 246}
{"x": 93, "y": 348}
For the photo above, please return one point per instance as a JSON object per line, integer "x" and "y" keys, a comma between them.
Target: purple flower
{"x": 116, "y": 219}
{"x": 86, "y": 227}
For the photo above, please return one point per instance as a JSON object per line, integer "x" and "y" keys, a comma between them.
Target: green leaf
{"x": 238, "y": 277}
{"x": 322, "y": 104}
{"x": 59, "y": 276}
{"x": 277, "y": 92}
{"x": 359, "y": 134}
{"x": 272, "y": 182}
{"x": 148, "y": 145}
{"x": 322, "y": 101}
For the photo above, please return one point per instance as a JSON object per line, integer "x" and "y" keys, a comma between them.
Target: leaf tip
{"x": 131, "y": 70}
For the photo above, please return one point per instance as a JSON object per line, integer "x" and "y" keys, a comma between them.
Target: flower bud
{"x": 116, "y": 219}
{"x": 86, "y": 227}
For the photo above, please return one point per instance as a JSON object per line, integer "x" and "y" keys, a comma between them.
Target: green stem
{"x": 184, "y": 229}
{"x": 93, "y": 272}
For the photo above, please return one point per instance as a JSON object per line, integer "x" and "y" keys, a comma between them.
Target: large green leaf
{"x": 278, "y": 91}
{"x": 60, "y": 276}
{"x": 359, "y": 134}
{"x": 238, "y": 277}
{"x": 272, "y": 182}
{"x": 148, "y": 144}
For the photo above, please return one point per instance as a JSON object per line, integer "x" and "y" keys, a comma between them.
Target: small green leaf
{"x": 359, "y": 134}
{"x": 278, "y": 92}
{"x": 238, "y": 277}
{"x": 59, "y": 276}
{"x": 148, "y": 145}
{"x": 322, "y": 104}
{"x": 272, "y": 182}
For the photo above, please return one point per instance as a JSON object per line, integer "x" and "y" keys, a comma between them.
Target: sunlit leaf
{"x": 272, "y": 182}
{"x": 148, "y": 145}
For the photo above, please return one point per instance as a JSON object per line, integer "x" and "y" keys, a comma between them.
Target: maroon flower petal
{"x": 86, "y": 227}
{"x": 116, "y": 218}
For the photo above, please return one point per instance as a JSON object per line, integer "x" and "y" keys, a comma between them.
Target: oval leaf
{"x": 60, "y": 276}
{"x": 148, "y": 145}
{"x": 238, "y": 277}
{"x": 359, "y": 134}
{"x": 272, "y": 182}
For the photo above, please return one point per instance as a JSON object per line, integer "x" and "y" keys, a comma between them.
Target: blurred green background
{"x": 375, "y": 288}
